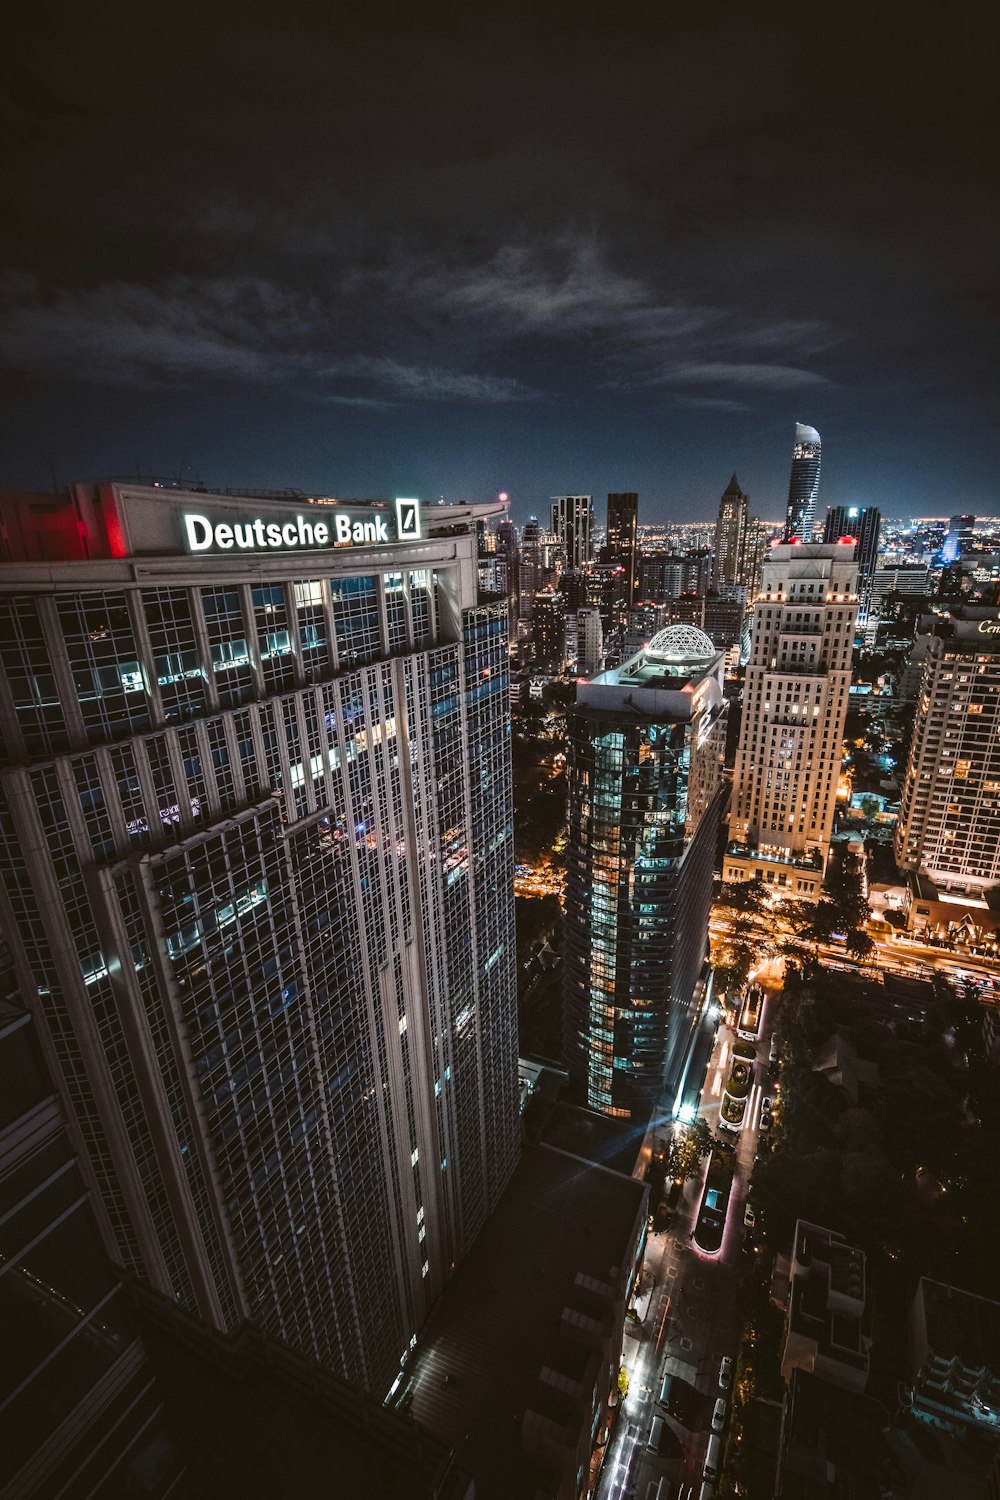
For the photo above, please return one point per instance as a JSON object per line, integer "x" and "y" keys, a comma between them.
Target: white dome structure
{"x": 681, "y": 643}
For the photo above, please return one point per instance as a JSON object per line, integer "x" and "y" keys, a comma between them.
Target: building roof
{"x": 961, "y": 1325}
{"x": 252, "y": 1418}
{"x": 498, "y": 1326}
{"x": 832, "y": 1442}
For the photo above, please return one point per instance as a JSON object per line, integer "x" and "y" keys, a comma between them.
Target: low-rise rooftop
{"x": 506, "y": 1362}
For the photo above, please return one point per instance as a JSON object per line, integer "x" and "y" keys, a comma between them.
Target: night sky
{"x": 372, "y": 251}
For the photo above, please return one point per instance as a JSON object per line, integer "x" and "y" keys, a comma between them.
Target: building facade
{"x": 81, "y": 1414}
{"x": 864, "y": 524}
{"x": 949, "y": 820}
{"x": 255, "y": 833}
{"x": 803, "y": 487}
{"x": 730, "y": 533}
{"x": 794, "y": 705}
{"x": 646, "y": 747}
{"x": 667, "y": 575}
{"x": 573, "y": 524}
{"x": 589, "y": 641}
{"x": 621, "y": 541}
{"x": 548, "y": 633}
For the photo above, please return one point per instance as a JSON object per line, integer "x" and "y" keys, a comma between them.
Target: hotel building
{"x": 949, "y": 820}
{"x": 255, "y": 837}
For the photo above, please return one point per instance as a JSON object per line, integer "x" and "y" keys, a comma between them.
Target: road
{"x": 898, "y": 955}
{"x": 688, "y": 1311}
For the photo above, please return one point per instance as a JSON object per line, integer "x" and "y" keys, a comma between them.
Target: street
{"x": 687, "y": 1305}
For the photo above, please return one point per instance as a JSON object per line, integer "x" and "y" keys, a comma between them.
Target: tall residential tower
{"x": 255, "y": 836}
{"x": 573, "y": 524}
{"x": 794, "y": 706}
{"x": 621, "y": 542}
{"x": 646, "y": 746}
{"x": 949, "y": 820}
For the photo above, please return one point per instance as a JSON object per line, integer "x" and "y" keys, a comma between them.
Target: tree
{"x": 845, "y": 889}
{"x": 860, "y": 945}
{"x": 687, "y": 1147}
{"x": 745, "y": 895}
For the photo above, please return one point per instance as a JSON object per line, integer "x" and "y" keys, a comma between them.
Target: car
{"x": 726, "y": 1372}
{"x": 749, "y": 1217}
{"x": 765, "y": 1125}
{"x": 719, "y": 1416}
{"x": 765, "y": 1105}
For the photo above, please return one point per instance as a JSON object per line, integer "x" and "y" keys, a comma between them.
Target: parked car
{"x": 719, "y": 1416}
{"x": 749, "y": 1217}
{"x": 726, "y": 1372}
{"x": 765, "y": 1105}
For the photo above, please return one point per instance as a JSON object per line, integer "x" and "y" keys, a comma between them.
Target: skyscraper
{"x": 803, "y": 486}
{"x": 959, "y": 538}
{"x": 589, "y": 641}
{"x": 755, "y": 546}
{"x": 794, "y": 706}
{"x": 949, "y": 820}
{"x": 255, "y": 833}
{"x": 646, "y": 747}
{"x": 864, "y": 523}
{"x": 620, "y": 544}
{"x": 548, "y": 633}
{"x": 730, "y": 533}
{"x": 573, "y": 524}
{"x": 80, "y": 1413}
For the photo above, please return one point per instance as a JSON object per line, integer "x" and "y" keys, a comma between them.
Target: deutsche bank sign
{"x": 332, "y": 528}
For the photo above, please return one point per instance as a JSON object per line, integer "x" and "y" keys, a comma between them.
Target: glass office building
{"x": 255, "y": 832}
{"x": 803, "y": 487}
{"x": 646, "y": 749}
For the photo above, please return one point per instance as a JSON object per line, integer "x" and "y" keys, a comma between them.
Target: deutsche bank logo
{"x": 408, "y": 520}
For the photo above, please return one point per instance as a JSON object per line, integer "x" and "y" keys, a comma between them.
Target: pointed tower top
{"x": 733, "y": 487}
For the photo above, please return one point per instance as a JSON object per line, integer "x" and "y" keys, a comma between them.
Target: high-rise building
{"x": 620, "y": 543}
{"x": 548, "y": 633}
{"x": 536, "y": 564}
{"x": 722, "y": 617}
{"x": 958, "y": 539}
{"x": 646, "y": 745}
{"x": 80, "y": 1414}
{"x": 730, "y": 533}
{"x": 666, "y": 575}
{"x": 803, "y": 486}
{"x": 589, "y": 641}
{"x": 573, "y": 524}
{"x": 794, "y": 706}
{"x": 756, "y": 540}
{"x": 949, "y": 820}
{"x": 864, "y": 524}
{"x": 255, "y": 836}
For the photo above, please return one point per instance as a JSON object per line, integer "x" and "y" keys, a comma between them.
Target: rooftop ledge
{"x": 798, "y": 861}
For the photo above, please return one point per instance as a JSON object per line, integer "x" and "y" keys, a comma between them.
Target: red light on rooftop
{"x": 842, "y": 539}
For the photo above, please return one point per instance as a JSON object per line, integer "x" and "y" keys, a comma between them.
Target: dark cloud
{"x": 549, "y": 239}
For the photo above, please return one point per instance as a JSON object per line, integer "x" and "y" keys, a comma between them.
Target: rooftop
{"x": 563, "y": 1229}
{"x": 961, "y": 1325}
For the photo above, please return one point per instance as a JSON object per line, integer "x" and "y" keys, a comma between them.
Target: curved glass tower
{"x": 804, "y": 484}
{"x": 646, "y": 749}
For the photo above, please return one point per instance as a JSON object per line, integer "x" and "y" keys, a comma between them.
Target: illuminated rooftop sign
{"x": 335, "y": 528}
